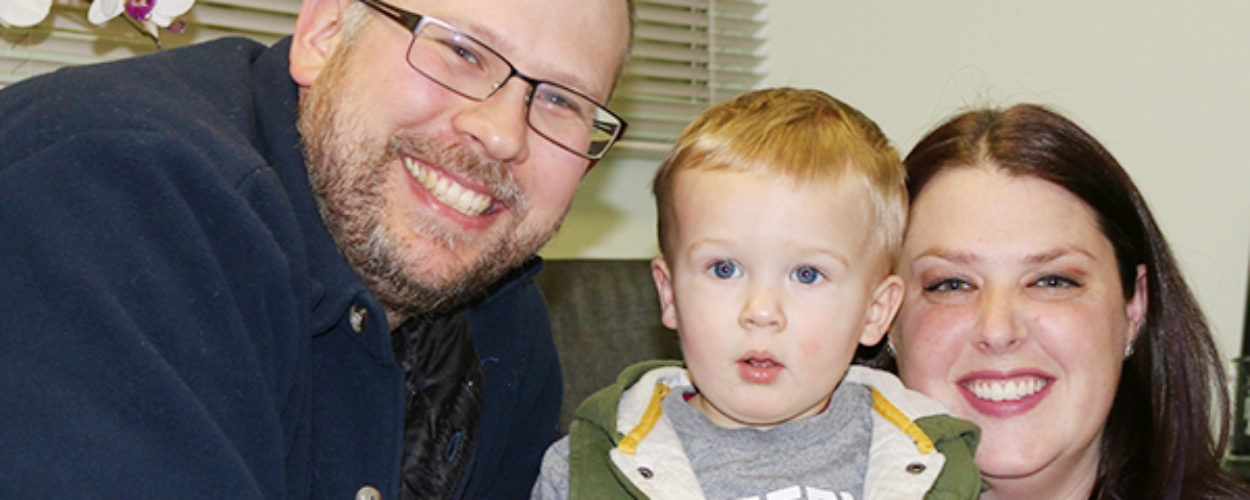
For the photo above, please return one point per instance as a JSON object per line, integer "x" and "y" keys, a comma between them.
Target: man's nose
{"x": 498, "y": 122}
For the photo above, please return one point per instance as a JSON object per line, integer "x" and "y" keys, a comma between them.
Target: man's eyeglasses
{"x": 462, "y": 64}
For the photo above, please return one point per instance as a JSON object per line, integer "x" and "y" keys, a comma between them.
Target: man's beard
{"x": 347, "y": 173}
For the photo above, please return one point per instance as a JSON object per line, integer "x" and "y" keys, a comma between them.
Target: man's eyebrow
{"x": 502, "y": 47}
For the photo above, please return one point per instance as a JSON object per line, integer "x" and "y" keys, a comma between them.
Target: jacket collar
{"x": 334, "y": 285}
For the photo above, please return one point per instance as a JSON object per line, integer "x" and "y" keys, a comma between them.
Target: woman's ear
{"x": 881, "y": 310}
{"x": 1137, "y": 305}
{"x": 317, "y": 32}
{"x": 664, "y": 287}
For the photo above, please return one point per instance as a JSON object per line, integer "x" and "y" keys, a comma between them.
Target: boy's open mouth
{"x": 759, "y": 368}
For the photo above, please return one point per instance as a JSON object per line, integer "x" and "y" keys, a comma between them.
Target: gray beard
{"x": 347, "y": 177}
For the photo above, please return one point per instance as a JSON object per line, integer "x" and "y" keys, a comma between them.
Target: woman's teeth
{"x": 1006, "y": 390}
{"x": 447, "y": 191}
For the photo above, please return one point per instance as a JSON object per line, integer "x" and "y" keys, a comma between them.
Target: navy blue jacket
{"x": 176, "y": 316}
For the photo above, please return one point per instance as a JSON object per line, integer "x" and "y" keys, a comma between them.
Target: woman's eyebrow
{"x": 947, "y": 254}
{"x": 1056, "y": 254}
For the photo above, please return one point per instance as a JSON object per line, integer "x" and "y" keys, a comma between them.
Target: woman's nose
{"x": 498, "y": 123}
{"x": 1000, "y": 328}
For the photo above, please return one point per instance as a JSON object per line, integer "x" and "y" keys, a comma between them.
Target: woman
{"x": 1043, "y": 304}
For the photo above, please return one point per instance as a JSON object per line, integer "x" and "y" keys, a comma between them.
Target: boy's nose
{"x": 762, "y": 310}
{"x": 498, "y": 123}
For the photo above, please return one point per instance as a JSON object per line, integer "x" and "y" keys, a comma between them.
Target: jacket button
{"x": 359, "y": 318}
{"x": 915, "y": 467}
{"x": 646, "y": 472}
{"x": 368, "y": 493}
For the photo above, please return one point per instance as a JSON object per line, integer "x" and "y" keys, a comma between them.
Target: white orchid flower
{"x": 22, "y": 13}
{"x": 158, "y": 12}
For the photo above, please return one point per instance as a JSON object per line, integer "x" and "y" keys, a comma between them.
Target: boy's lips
{"x": 1004, "y": 395}
{"x": 449, "y": 191}
{"x": 759, "y": 368}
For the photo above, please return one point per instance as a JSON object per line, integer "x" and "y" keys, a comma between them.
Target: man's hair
{"x": 805, "y": 135}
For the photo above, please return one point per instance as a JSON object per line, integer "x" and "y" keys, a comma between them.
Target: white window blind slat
{"x": 287, "y": 7}
{"x": 645, "y": 69}
{"x": 740, "y": 50}
{"x": 688, "y": 54}
{"x": 246, "y": 21}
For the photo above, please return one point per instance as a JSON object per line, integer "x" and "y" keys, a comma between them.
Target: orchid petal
{"x": 21, "y": 13}
{"x": 157, "y": 19}
{"x": 103, "y": 10}
{"x": 170, "y": 9}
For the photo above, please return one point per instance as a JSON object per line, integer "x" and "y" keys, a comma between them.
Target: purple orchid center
{"x": 139, "y": 10}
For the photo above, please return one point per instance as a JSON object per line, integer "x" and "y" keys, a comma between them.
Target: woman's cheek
{"x": 929, "y": 342}
{"x": 929, "y": 326}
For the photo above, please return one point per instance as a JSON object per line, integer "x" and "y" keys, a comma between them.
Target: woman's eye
{"x": 1053, "y": 281}
{"x": 948, "y": 285}
{"x": 808, "y": 275}
{"x": 724, "y": 269}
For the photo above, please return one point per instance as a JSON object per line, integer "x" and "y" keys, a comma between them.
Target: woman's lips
{"x": 1005, "y": 395}
{"x": 759, "y": 368}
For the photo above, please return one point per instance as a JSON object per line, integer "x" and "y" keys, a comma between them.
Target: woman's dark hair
{"x": 1157, "y": 441}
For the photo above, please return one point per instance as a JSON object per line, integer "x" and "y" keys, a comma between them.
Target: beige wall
{"x": 1165, "y": 85}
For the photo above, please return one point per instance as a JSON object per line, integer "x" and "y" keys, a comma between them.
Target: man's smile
{"x": 449, "y": 191}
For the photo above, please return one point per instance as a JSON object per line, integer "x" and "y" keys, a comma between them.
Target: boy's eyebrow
{"x": 846, "y": 263}
{"x": 698, "y": 245}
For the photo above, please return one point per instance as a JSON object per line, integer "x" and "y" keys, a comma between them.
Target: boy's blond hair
{"x": 804, "y": 134}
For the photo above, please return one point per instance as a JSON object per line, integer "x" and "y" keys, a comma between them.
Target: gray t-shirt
{"x": 824, "y": 456}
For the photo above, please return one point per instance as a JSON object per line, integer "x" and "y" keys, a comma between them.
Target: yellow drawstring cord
{"x": 629, "y": 444}
{"x": 892, "y": 414}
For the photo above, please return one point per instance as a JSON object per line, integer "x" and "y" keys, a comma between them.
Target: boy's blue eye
{"x": 808, "y": 275}
{"x": 724, "y": 269}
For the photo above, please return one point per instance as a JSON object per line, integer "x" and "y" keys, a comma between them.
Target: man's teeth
{"x": 450, "y": 193}
{"x": 1006, "y": 390}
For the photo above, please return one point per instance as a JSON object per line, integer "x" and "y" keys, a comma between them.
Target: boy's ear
{"x": 317, "y": 31}
{"x": 881, "y": 310}
{"x": 664, "y": 287}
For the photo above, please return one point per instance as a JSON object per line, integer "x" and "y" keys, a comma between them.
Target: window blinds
{"x": 688, "y": 54}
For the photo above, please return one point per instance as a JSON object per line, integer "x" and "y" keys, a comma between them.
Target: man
{"x": 206, "y": 300}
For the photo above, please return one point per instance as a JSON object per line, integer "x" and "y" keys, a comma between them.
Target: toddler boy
{"x": 780, "y": 213}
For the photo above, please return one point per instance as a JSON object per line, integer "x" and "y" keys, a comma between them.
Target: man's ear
{"x": 317, "y": 31}
{"x": 881, "y": 310}
{"x": 664, "y": 287}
